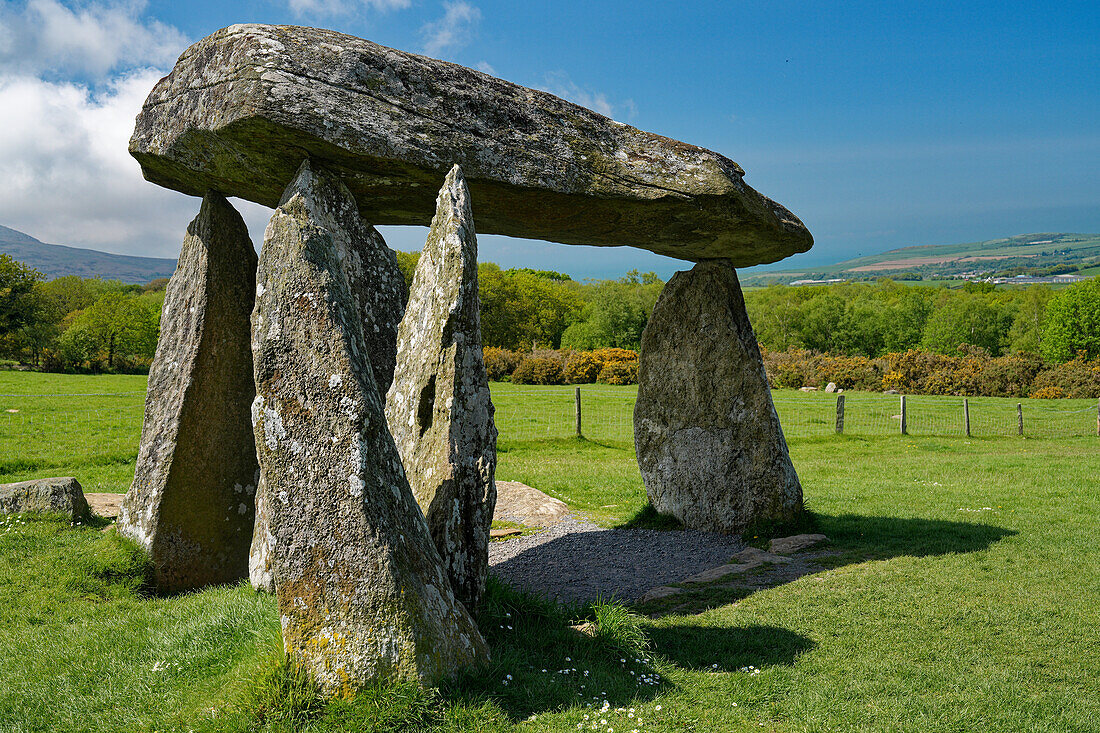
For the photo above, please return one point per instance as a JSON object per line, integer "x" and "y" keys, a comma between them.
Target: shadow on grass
{"x": 880, "y": 538}
{"x": 692, "y": 646}
{"x": 627, "y": 564}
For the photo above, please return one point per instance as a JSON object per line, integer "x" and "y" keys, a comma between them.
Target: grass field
{"x": 965, "y": 596}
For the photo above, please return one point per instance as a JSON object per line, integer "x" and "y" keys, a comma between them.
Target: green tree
{"x": 972, "y": 318}
{"x": 616, "y": 313}
{"x": 116, "y": 324}
{"x": 18, "y": 304}
{"x": 1073, "y": 323}
{"x": 520, "y": 308}
{"x": 407, "y": 262}
{"x": 1026, "y": 333}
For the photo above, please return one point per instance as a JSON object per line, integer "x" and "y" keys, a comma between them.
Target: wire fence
{"x": 82, "y": 428}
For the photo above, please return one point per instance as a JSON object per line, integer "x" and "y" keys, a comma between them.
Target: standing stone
{"x": 191, "y": 503}
{"x": 438, "y": 408}
{"x": 361, "y": 589}
{"x": 377, "y": 287}
{"x": 378, "y": 293}
{"x": 708, "y": 440}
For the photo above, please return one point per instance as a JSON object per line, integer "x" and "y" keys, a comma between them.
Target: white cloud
{"x": 342, "y": 7}
{"x": 559, "y": 83}
{"x": 91, "y": 40}
{"x": 68, "y": 176}
{"x": 486, "y": 67}
{"x": 453, "y": 30}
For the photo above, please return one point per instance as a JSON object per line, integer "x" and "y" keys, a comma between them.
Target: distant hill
{"x": 55, "y": 260}
{"x": 1025, "y": 253}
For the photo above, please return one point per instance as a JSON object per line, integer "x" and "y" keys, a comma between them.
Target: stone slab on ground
{"x": 105, "y": 505}
{"x": 795, "y": 543}
{"x": 517, "y": 502}
{"x": 497, "y": 534}
{"x": 770, "y": 570}
{"x": 244, "y": 105}
{"x": 62, "y": 495}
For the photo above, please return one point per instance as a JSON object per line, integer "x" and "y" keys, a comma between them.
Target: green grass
{"x": 964, "y": 595}
{"x": 88, "y": 427}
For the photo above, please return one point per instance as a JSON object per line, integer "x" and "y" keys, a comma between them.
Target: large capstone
{"x": 191, "y": 502}
{"x": 361, "y": 589}
{"x": 438, "y": 408}
{"x": 378, "y": 294}
{"x": 243, "y": 105}
{"x": 708, "y": 440}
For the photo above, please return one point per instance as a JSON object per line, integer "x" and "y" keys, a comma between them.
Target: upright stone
{"x": 378, "y": 293}
{"x": 377, "y": 287}
{"x": 438, "y": 408}
{"x": 708, "y": 440}
{"x": 191, "y": 502}
{"x": 361, "y": 589}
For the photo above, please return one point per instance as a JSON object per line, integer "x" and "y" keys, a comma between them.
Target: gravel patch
{"x": 576, "y": 559}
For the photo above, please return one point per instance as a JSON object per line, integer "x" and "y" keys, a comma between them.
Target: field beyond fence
{"x": 44, "y": 417}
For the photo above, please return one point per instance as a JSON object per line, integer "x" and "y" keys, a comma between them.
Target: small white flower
{"x": 657, "y": 708}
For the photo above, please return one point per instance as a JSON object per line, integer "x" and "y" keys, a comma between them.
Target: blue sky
{"x": 881, "y": 125}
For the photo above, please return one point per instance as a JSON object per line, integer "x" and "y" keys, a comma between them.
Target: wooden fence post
{"x": 578, "y": 411}
{"x": 904, "y": 425}
{"x": 966, "y": 415}
{"x": 840, "y": 413}
{"x": 1019, "y": 418}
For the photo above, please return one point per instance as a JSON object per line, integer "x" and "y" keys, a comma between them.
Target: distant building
{"x": 1030, "y": 280}
{"x": 819, "y": 282}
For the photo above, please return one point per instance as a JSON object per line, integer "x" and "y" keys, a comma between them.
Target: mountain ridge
{"x": 58, "y": 260}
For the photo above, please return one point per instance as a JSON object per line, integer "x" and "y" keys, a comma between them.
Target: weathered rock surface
{"x": 438, "y": 408}
{"x": 378, "y": 292}
{"x": 377, "y": 287}
{"x": 708, "y": 440}
{"x": 795, "y": 543}
{"x": 242, "y": 107}
{"x": 361, "y": 590}
{"x": 191, "y": 502}
{"x": 45, "y": 495}
{"x": 521, "y": 503}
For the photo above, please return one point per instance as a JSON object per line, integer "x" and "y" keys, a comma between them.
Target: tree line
{"x": 77, "y": 324}
{"x": 72, "y": 323}
{"x": 876, "y": 319}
